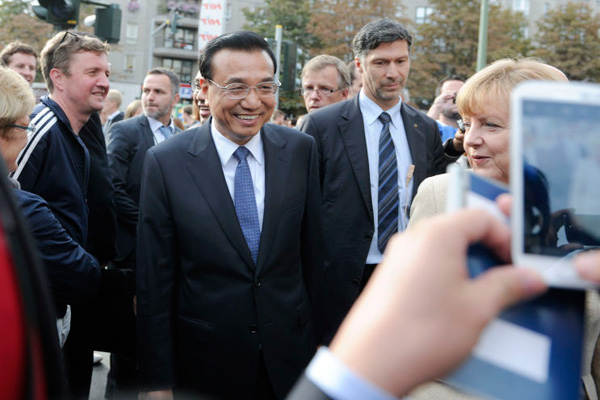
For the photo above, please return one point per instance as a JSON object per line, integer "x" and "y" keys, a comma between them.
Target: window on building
{"x": 183, "y": 68}
{"x": 423, "y": 13}
{"x": 521, "y": 5}
{"x": 228, "y": 12}
{"x": 129, "y": 63}
{"x": 546, "y": 7}
{"x": 131, "y": 33}
{"x": 182, "y": 39}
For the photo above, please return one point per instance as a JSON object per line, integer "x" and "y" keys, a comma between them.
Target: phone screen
{"x": 561, "y": 150}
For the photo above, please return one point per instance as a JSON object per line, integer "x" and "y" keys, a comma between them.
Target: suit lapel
{"x": 352, "y": 131}
{"x": 146, "y": 132}
{"x": 276, "y": 172}
{"x": 204, "y": 166}
{"x": 416, "y": 143}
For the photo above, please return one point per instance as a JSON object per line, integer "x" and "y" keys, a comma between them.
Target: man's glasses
{"x": 236, "y": 91}
{"x": 320, "y": 92}
{"x": 195, "y": 86}
{"x": 30, "y": 129}
{"x": 67, "y": 33}
{"x": 461, "y": 125}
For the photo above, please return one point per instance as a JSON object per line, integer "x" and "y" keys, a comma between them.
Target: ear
{"x": 56, "y": 76}
{"x": 345, "y": 93}
{"x": 358, "y": 65}
{"x": 176, "y": 98}
{"x": 204, "y": 85}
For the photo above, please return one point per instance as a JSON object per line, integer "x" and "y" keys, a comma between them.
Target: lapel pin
{"x": 416, "y": 125}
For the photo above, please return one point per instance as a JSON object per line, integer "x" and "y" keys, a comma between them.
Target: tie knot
{"x": 241, "y": 153}
{"x": 385, "y": 118}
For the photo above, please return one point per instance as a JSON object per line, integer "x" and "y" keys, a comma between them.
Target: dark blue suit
{"x": 204, "y": 308}
{"x": 348, "y": 225}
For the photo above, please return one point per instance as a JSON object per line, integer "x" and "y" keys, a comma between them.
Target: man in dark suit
{"x": 228, "y": 264}
{"x": 128, "y": 142}
{"x": 110, "y": 113}
{"x": 365, "y": 196}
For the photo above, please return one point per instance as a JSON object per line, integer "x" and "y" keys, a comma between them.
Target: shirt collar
{"x": 156, "y": 124}
{"x": 226, "y": 148}
{"x": 114, "y": 114}
{"x": 371, "y": 110}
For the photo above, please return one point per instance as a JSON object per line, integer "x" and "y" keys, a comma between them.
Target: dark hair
{"x": 170, "y": 74}
{"x": 374, "y": 33}
{"x": 240, "y": 40}
{"x": 14, "y": 48}
{"x": 438, "y": 89}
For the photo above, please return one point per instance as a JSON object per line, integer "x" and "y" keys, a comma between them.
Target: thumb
{"x": 501, "y": 287}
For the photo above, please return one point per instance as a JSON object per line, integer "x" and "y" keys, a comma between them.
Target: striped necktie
{"x": 388, "y": 185}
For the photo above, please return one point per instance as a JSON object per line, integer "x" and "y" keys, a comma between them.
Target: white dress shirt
{"x": 155, "y": 126}
{"x": 256, "y": 163}
{"x": 373, "y": 126}
{"x": 339, "y": 382}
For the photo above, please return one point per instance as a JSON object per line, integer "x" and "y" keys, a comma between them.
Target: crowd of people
{"x": 216, "y": 258}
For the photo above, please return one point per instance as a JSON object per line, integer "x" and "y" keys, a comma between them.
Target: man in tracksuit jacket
{"x": 65, "y": 163}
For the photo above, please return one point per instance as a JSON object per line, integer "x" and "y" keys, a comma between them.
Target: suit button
{"x": 253, "y": 328}
{"x": 257, "y": 283}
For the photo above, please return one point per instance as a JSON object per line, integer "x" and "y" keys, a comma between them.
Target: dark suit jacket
{"x": 204, "y": 308}
{"x": 127, "y": 145}
{"x": 305, "y": 389}
{"x": 347, "y": 210}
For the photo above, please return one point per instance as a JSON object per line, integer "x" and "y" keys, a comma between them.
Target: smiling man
{"x": 229, "y": 264}
{"x": 21, "y": 58}
{"x": 375, "y": 150}
{"x": 65, "y": 163}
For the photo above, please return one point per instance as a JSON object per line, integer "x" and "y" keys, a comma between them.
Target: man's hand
{"x": 442, "y": 100}
{"x": 458, "y": 141}
{"x": 420, "y": 314}
{"x": 156, "y": 395}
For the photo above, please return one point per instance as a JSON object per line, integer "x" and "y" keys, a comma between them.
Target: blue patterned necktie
{"x": 245, "y": 203}
{"x": 166, "y": 131}
{"x": 388, "y": 185}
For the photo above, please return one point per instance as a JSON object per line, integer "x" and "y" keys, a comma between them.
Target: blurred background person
{"x": 355, "y": 79}
{"x": 444, "y": 109}
{"x": 189, "y": 121}
{"x": 279, "y": 118}
{"x": 133, "y": 109}
{"x": 201, "y": 108}
{"x": 22, "y": 58}
{"x": 325, "y": 80}
{"x": 111, "y": 110}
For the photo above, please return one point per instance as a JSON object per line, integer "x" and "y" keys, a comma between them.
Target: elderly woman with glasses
{"x": 73, "y": 274}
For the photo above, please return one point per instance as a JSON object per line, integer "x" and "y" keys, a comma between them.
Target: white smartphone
{"x": 555, "y": 177}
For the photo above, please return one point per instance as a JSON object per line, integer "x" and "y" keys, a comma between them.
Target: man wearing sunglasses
{"x": 228, "y": 262}
{"x": 325, "y": 80}
{"x": 65, "y": 163}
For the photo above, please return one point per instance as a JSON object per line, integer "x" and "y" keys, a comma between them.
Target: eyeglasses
{"x": 236, "y": 91}
{"x": 67, "y": 33}
{"x": 320, "y": 92}
{"x": 195, "y": 85}
{"x": 30, "y": 129}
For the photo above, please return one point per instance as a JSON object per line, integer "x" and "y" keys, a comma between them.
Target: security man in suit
{"x": 128, "y": 142}
{"x": 229, "y": 266}
{"x": 374, "y": 151}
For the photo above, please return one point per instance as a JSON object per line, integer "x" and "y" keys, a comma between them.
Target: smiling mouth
{"x": 247, "y": 117}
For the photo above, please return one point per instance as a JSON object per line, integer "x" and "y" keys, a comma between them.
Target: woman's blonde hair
{"x": 494, "y": 83}
{"x": 16, "y": 99}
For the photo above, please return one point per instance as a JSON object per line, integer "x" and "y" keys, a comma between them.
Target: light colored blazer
{"x": 430, "y": 199}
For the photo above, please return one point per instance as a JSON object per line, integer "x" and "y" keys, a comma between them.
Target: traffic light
{"x": 63, "y": 14}
{"x": 108, "y": 23}
{"x": 173, "y": 23}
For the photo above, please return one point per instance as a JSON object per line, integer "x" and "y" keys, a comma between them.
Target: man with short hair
{"x": 111, "y": 110}
{"x": 325, "y": 80}
{"x": 443, "y": 109}
{"x": 65, "y": 163}
{"x": 374, "y": 151}
{"x": 229, "y": 264}
{"x": 279, "y": 118}
{"x": 22, "y": 58}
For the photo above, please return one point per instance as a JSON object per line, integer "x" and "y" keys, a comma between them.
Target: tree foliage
{"x": 293, "y": 15}
{"x": 447, "y": 43}
{"x": 17, "y": 23}
{"x": 336, "y": 22}
{"x": 568, "y": 39}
